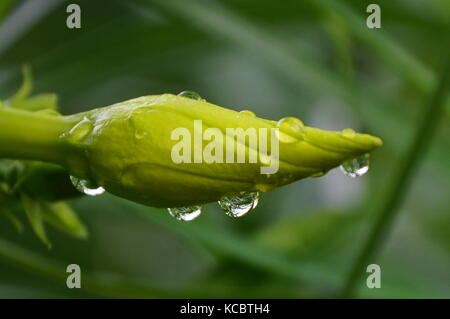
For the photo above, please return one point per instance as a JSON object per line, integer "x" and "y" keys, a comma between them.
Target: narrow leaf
{"x": 33, "y": 210}
{"x": 38, "y": 102}
{"x": 13, "y": 219}
{"x": 61, "y": 216}
{"x": 23, "y": 100}
{"x": 25, "y": 89}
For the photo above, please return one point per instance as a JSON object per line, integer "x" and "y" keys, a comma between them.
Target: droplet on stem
{"x": 79, "y": 131}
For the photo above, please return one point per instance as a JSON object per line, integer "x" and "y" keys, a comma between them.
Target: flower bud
{"x": 169, "y": 151}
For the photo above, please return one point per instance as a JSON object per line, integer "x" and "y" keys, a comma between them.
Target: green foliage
{"x": 311, "y": 59}
{"x": 37, "y": 185}
{"x": 35, "y": 214}
{"x": 13, "y": 219}
{"x": 46, "y": 102}
{"x": 309, "y": 233}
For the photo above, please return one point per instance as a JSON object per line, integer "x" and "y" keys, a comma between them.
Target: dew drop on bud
{"x": 356, "y": 167}
{"x": 239, "y": 205}
{"x": 290, "y": 129}
{"x": 248, "y": 113}
{"x": 86, "y": 187}
{"x": 190, "y": 95}
{"x": 185, "y": 213}
{"x": 348, "y": 132}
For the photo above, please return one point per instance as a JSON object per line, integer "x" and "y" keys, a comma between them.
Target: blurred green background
{"x": 315, "y": 60}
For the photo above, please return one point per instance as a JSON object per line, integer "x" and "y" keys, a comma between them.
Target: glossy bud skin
{"x": 127, "y": 148}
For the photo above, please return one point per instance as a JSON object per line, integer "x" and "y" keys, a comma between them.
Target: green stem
{"x": 401, "y": 180}
{"x": 31, "y": 135}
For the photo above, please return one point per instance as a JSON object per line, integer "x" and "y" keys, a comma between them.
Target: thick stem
{"x": 31, "y": 135}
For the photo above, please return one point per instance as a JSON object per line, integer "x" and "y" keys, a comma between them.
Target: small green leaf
{"x": 33, "y": 209}
{"x": 23, "y": 100}
{"x": 38, "y": 102}
{"x": 26, "y": 88}
{"x": 61, "y": 216}
{"x": 12, "y": 173}
{"x": 13, "y": 219}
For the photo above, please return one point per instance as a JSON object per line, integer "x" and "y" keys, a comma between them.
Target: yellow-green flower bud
{"x": 169, "y": 151}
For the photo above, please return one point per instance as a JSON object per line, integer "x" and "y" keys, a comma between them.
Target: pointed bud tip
{"x": 369, "y": 141}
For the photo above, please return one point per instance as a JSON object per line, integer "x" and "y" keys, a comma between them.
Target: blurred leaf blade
{"x": 13, "y": 219}
{"x": 33, "y": 209}
{"x": 432, "y": 114}
{"x": 61, "y": 216}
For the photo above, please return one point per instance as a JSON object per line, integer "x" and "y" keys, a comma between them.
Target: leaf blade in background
{"x": 33, "y": 209}
{"x": 13, "y": 219}
{"x": 61, "y": 216}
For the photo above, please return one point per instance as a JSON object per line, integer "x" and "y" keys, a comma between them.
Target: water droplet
{"x": 80, "y": 130}
{"x": 239, "y": 205}
{"x": 86, "y": 187}
{"x": 348, "y": 132}
{"x": 247, "y": 112}
{"x": 356, "y": 167}
{"x": 290, "y": 129}
{"x": 185, "y": 213}
{"x": 190, "y": 95}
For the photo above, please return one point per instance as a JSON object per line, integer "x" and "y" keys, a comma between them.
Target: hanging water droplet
{"x": 185, "y": 213}
{"x": 290, "y": 129}
{"x": 239, "y": 205}
{"x": 190, "y": 95}
{"x": 348, "y": 132}
{"x": 356, "y": 167}
{"x": 247, "y": 112}
{"x": 86, "y": 187}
